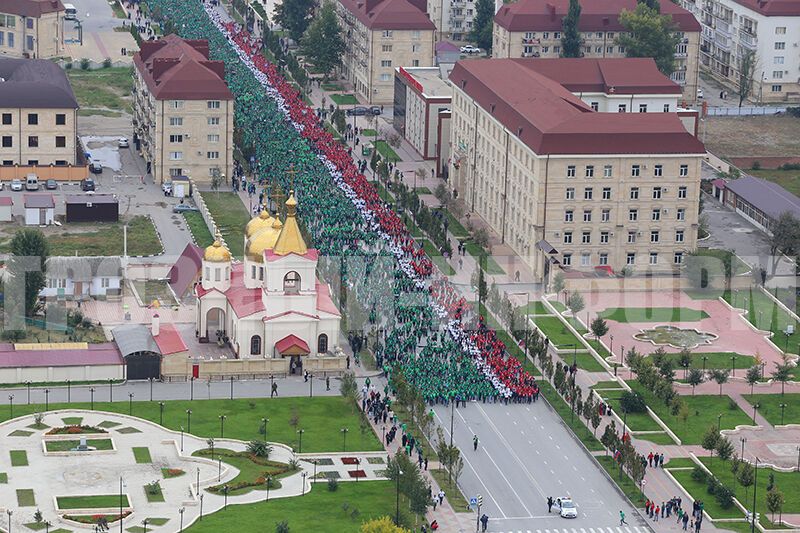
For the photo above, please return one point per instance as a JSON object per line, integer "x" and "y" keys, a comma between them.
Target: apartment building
{"x": 31, "y": 28}
{"x": 183, "y": 110}
{"x": 770, "y": 29}
{"x": 532, "y": 28}
{"x": 566, "y": 186}
{"x": 38, "y": 115}
{"x": 381, "y": 35}
{"x": 453, "y": 18}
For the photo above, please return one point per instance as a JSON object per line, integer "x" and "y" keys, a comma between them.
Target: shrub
{"x": 13, "y": 335}
{"x": 699, "y": 474}
{"x": 732, "y": 405}
{"x": 84, "y": 64}
{"x": 712, "y": 485}
{"x": 724, "y": 496}
{"x": 632, "y": 402}
{"x": 333, "y": 485}
{"x": 259, "y": 448}
{"x": 282, "y": 527}
{"x": 107, "y": 62}
{"x": 68, "y": 66}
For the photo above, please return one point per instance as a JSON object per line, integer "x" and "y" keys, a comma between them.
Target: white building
{"x": 82, "y": 277}
{"x": 39, "y": 209}
{"x": 769, "y": 28}
{"x": 6, "y": 203}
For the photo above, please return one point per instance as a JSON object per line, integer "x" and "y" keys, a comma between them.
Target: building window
{"x": 780, "y": 46}
{"x": 255, "y": 345}
{"x": 605, "y": 215}
{"x": 666, "y": 108}
{"x": 568, "y": 215}
{"x": 656, "y": 216}
{"x": 679, "y": 235}
{"x": 589, "y": 171}
{"x": 656, "y": 193}
{"x": 587, "y": 215}
{"x": 622, "y": 108}
{"x": 587, "y": 193}
{"x": 7, "y": 141}
{"x": 105, "y": 283}
{"x": 61, "y": 119}
{"x": 777, "y": 88}
{"x": 386, "y": 47}
{"x": 635, "y": 169}
{"x": 176, "y": 121}
{"x": 176, "y": 138}
{"x": 212, "y": 155}
{"x": 33, "y": 119}
{"x": 570, "y": 195}
{"x": 684, "y": 171}
{"x": 415, "y": 62}
{"x": 658, "y": 171}
{"x": 604, "y": 258}
{"x": 606, "y": 193}
{"x": 386, "y": 34}
{"x": 603, "y": 237}
{"x": 571, "y": 171}
{"x": 386, "y": 62}
{"x": 291, "y": 282}
{"x": 681, "y": 214}
{"x": 566, "y": 260}
{"x": 609, "y": 49}
{"x": 633, "y": 215}
{"x": 642, "y": 108}
{"x": 213, "y": 138}
{"x": 212, "y": 121}
{"x": 586, "y": 259}
{"x": 176, "y": 104}
{"x": 322, "y": 343}
{"x": 415, "y": 34}
{"x": 682, "y": 192}
{"x": 176, "y": 156}
{"x": 654, "y": 236}
{"x": 6, "y": 119}
{"x": 33, "y": 141}
{"x": 678, "y": 258}
{"x": 29, "y": 41}
{"x": 777, "y": 74}
{"x": 630, "y": 259}
{"x": 61, "y": 141}
{"x": 595, "y": 106}
{"x": 33, "y": 162}
{"x": 567, "y": 237}
{"x": 777, "y": 60}
{"x": 634, "y": 193}
{"x": 386, "y": 77}
{"x": 653, "y": 258}
{"x": 175, "y": 171}
{"x": 213, "y": 104}
{"x": 415, "y": 48}
{"x": 607, "y": 171}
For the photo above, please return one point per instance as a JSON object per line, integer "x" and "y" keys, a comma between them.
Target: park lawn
{"x": 703, "y": 411}
{"x": 766, "y": 315}
{"x": 586, "y": 362}
{"x": 3, "y": 477}
{"x": 660, "y": 438}
{"x": 366, "y": 132}
{"x": 153, "y": 492}
{"x": 556, "y": 331}
{"x": 108, "y": 88}
{"x": 454, "y": 226}
{"x": 67, "y": 445}
{"x": 423, "y": 190}
{"x": 230, "y": 215}
{"x": 344, "y": 99}
{"x": 142, "y": 455}
{"x": 769, "y": 407}
{"x": 332, "y": 87}
{"x": 437, "y": 258}
{"x": 653, "y": 314}
{"x": 476, "y": 251}
{"x": 536, "y": 308}
{"x": 103, "y": 238}
{"x": 560, "y": 405}
{"x": 249, "y": 471}
{"x": 737, "y": 265}
{"x": 386, "y": 151}
{"x": 635, "y": 421}
{"x": 198, "y": 228}
{"x": 715, "y": 360}
{"x": 698, "y": 492}
{"x": 100, "y": 501}
{"x": 679, "y": 462}
{"x": 25, "y": 498}
{"x": 601, "y": 350}
{"x": 18, "y": 457}
{"x": 625, "y": 483}
{"x": 607, "y": 385}
{"x": 321, "y": 417}
{"x": 452, "y": 490}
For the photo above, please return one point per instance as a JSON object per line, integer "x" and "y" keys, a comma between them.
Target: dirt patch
{"x": 768, "y": 136}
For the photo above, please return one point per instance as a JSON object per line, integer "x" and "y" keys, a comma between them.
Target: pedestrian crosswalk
{"x": 615, "y": 529}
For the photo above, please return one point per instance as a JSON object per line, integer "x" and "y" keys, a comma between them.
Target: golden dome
{"x": 262, "y": 221}
{"x": 216, "y": 253}
{"x": 290, "y": 239}
{"x": 263, "y": 240}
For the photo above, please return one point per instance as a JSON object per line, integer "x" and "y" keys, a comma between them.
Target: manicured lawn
{"x": 386, "y": 151}
{"x": 25, "y": 498}
{"x": 563, "y": 409}
{"x": 656, "y": 438}
{"x": 202, "y": 236}
{"x": 230, "y": 215}
{"x": 625, "y": 483}
{"x": 698, "y": 492}
{"x": 769, "y": 407}
{"x": 423, "y": 190}
{"x": 332, "y": 87}
{"x": 491, "y": 266}
{"x": 600, "y": 385}
{"x": 653, "y": 314}
{"x": 679, "y": 462}
{"x": 436, "y": 257}
{"x": 154, "y": 492}
{"x": 18, "y": 457}
{"x": 106, "y": 238}
{"x": 537, "y": 308}
{"x": 366, "y": 132}
{"x": 453, "y": 492}
{"x": 703, "y": 411}
{"x": 454, "y": 226}
{"x": 321, "y": 417}
{"x": 556, "y": 331}
{"x": 635, "y": 421}
{"x": 601, "y": 350}
{"x": 320, "y": 510}
{"x": 72, "y": 420}
{"x": 586, "y": 362}
{"x": 3, "y": 477}
{"x": 252, "y": 475}
{"x": 67, "y": 445}
{"x": 91, "y": 502}
{"x": 344, "y": 99}
{"x": 737, "y": 265}
{"x": 714, "y": 360}
{"x": 142, "y": 455}
{"x": 765, "y": 315}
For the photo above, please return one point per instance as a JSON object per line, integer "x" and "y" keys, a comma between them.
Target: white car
{"x": 16, "y": 185}
{"x": 469, "y": 49}
{"x": 567, "y": 508}
{"x": 123, "y": 142}
{"x": 700, "y": 94}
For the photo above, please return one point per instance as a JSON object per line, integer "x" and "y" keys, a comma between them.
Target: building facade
{"x": 38, "y": 115}
{"x": 532, "y": 28}
{"x": 381, "y": 35}
{"x": 32, "y": 29}
{"x": 183, "y": 111}
{"x": 566, "y": 186}
{"x": 770, "y": 30}
{"x": 453, "y": 18}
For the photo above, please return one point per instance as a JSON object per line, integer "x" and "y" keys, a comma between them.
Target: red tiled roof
{"x": 324, "y": 300}
{"x": 773, "y": 8}
{"x": 632, "y": 75}
{"x": 31, "y": 8}
{"x": 39, "y": 201}
{"x": 244, "y": 301}
{"x": 390, "y": 14}
{"x": 596, "y": 15}
{"x": 290, "y": 312}
{"x": 551, "y": 120}
{"x": 105, "y": 353}
{"x": 186, "y": 269}
{"x": 291, "y": 341}
{"x": 174, "y": 68}
{"x": 311, "y": 255}
{"x": 169, "y": 340}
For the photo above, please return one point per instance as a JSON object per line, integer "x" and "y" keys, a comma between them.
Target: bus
{"x": 70, "y": 13}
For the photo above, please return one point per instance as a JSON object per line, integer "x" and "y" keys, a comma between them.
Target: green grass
{"x": 625, "y": 483}
{"x": 366, "y": 132}
{"x": 586, "y": 362}
{"x": 72, "y": 420}
{"x": 25, "y": 498}
{"x": 169, "y": 473}
{"x": 679, "y": 462}
{"x": 423, "y": 190}
{"x": 67, "y": 445}
{"x": 635, "y": 421}
{"x": 252, "y": 475}
{"x": 436, "y": 257}
{"x": 321, "y": 417}
{"x": 454, "y": 226}
{"x": 556, "y": 331}
{"x": 769, "y": 407}
{"x": 765, "y": 315}
{"x": 36, "y": 526}
{"x": 344, "y": 99}
{"x": 154, "y": 492}
{"x": 583, "y": 433}
{"x": 3, "y": 478}
{"x": 653, "y": 314}
{"x": 106, "y": 238}
{"x": 91, "y": 502}
{"x": 600, "y": 385}
{"x": 601, "y": 350}
{"x": 230, "y": 215}
{"x": 703, "y": 411}
{"x": 453, "y": 492}
{"x": 20, "y": 433}
{"x": 698, "y": 492}
{"x": 142, "y": 455}
{"x": 715, "y": 360}
{"x": 320, "y": 510}
{"x": 197, "y": 226}
{"x": 788, "y": 179}
{"x": 386, "y": 151}
{"x": 491, "y": 266}
{"x": 656, "y": 438}
{"x": 108, "y": 88}
{"x": 737, "y": 265}
{"x": 18, "y": 457}
{"x": 118, "y": 11}
{"x": 108, "y": 424}
{"x": 332, "y": 87}
{"x": 536, "y": 308}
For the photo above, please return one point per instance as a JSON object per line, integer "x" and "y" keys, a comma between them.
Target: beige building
{"x": 183, "y": 110}
{"x": 381, "y": 35}
{"x": 532, "y": 28}
{"x": 31, "y": 28}
{"x": 567, "y": 186}
{"x": 38, "y": 114}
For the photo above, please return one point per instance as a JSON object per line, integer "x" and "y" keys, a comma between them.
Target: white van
{"x": 32, "y": 182}
{"x": 70, "y": 13}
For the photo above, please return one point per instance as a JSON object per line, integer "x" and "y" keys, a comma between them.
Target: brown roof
{"x": 31, "y": 8}
{"x": 773, "y": 8}
{"x": 179, "y": 69}
{"x": 596, "y": 15}
{"x": 35, "y": 83}
{"x": 391, "y": 14}
{"x": 611, "y": 76}
{"x": 39, "y": 201}
{"x": 551, "y": 120}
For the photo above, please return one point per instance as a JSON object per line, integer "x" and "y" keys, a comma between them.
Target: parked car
{"x": 167, "y": 188}
{"x": 566, "y": 507}
{"x": 16, "y": 185}
{"x": 123, "y": 142}
{"x": 2, "y": 185}
{"x": 88, "y": 185}
{"x": 375, "y": 110}
{"x": 95, "y": 168}
{"x": 183, "y": 208}
{"x": 51, "y": 185}
{"x": 32, "y": 182}
{"x": 358, "y": 111}
{"x": 469, "y": 49}
{"x": 700, "y": 93}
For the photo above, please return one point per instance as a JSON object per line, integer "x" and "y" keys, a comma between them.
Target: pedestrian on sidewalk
{"x": 484, "y": 522}
{"x": 656, "y": 513}
{"x": 622, "y": 518}
{"x": 328, "y": 384}
{"x": 685, "y": 520}
{"x": 274, "y": 391}
{"x": 426, "y": 463}
{"x": 661, "y": 461}
{"x": 474, "y": 443}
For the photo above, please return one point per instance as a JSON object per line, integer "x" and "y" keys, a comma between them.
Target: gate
{"x": 143, "y": 365}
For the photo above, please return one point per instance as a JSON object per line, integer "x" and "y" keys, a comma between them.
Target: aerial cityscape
{"x": 399, "y": 266}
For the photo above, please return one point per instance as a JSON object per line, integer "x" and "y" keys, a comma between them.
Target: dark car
{"x": 51, "y": 185}
{"x": 358, "y": 111}
{"x": 375, "y": 110}
{"x": 87, "y": 185}
{"x": 95, "y": 168}
{"x": 183, "y": 208}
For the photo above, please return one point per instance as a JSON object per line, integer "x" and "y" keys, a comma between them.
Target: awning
{"x": 546, "y": 247}
{"x": 292, "y": 345}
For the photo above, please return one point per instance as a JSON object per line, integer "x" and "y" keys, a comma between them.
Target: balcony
{"x": 723, "y": 28}
{"x": 722, "y": 42}
{"x": 748, "y": 40}
{"x": 526, "y": 40}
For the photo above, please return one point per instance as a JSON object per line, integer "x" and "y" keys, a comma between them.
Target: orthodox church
{"x": 271, "y": 305}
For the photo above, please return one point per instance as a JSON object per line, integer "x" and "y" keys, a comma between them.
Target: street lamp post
{"x": 314, "y": 478}
{"x": 225, "y": 490}
{"x": 111, "y": 390}
{"x": 743, "y": 440}
{"x": 9, "y": 512}
{"x": 151, "y": 389}
{"x": 188, "y": 421}
{"x": 222, "y": 426}
{"x": 181, "y": 438}
{"x": 269, "y": 482}
{"x": 397, "y": 499}
{"x": 28, "y": 384}
{"x": 191, "y": 388}
{"x": 201, "y": 506}
{"x": 120, "y": 504}
{"x": 755, "y": 489}
{"x": 69, "y": 392}
{"x": 311, "y": 385}
{"x": 755, "y": 408}
{"x": 300, "y": 446}
{"x": 705, "y": 358}
{"x": 231, "y": 387}
{"x": 144, "y": 522}
{"x": 303, "y": 490}
{"x": 130, "y": 403}
{"x": 733, "y": 365}
{"x": 719, "y": 422}
{"x": 160, "y": 413}
{"x": 181, "y": 511}
{"x": 91, "y": 394}
{"x": 46, "y": 399}
{"x": 264, "y": 422}
{"x": 344, "y": 439}
{"x": 783, "y": 408}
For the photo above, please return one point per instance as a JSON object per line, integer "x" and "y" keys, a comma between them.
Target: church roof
{"x": 324, "y": 300}
{"x": 260, "y": 222}
{"x": 292, "y": 344}
{"x": 169, "y": 340}
{"x": 290, "y": 241}
{"x": 244, "y": 301}
{"x": 216, "y": 253}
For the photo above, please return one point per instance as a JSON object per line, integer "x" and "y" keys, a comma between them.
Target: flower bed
{"x": 350, "y": 460}
{"x": 356, "y": 473}
{"x": 75, "y": 430}
{"x": 172, "y": 472}
{"x": 95, "y": 518}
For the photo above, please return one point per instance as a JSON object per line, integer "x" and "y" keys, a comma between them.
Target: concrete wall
{"x": 179, "y": 367}
{"x": 62, "y": 373}
{"x": 33, "y": 216}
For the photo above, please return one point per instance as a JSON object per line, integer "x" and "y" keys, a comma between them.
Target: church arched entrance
{"x": 215, "y": 321}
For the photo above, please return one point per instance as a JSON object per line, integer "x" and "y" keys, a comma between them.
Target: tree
{"x": 720, "y": 376}
{"x": 558, "y": 283}
{"x": 783, "y": 373}
{"x": 685, "y": 360}
{"x": 599, "y": 327}
{"x": 785, "y": 237}
{"x": 575, "y": 303}
{"x": 282, "y": 526}
{"x": 322, "y": 42}
{"x": 610, "y": 437}
{"x": 383, "y": 524}
{"x": 481, "y": 32}
{"x": 745, "y": 476}
{"x": 570, "y": 36}
{"x": 652, "y": 4}
{"x": 294, "y": 16}
{"x": 752, "y": 377}
{"x": 649, "y": 34}
{"x": 775, "y": 501}
{"x": 695, "y": 378}
{"x": 747, "y": 71}
{"x": 348, "y": 388}
{"x": 710, "y": 440}
{"x": 29, "y": 252}
{"x": 724, "y": 448}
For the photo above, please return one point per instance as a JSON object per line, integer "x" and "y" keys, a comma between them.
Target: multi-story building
{"x": 453, "y": 18}
{"x": 769, "y": 29}
{"x": 565, "y": 185}
{"x": 381, "y": 35}
{"x": 32, "y": 28}
{"x": 183, "y": 110}
{"x": 532, "y": 28}
{"x": 38, "y": 114}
